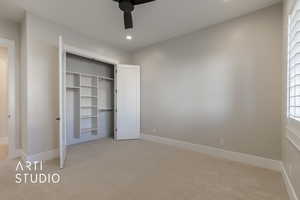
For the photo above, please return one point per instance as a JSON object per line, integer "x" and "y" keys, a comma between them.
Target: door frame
{"x": 89, "y": 54}
{"x": 11, "y": 97}
{"x": 95, "y": 56}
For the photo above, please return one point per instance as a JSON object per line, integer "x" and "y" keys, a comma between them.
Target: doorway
{"x": 98, "y": 98}
{"x": 3, "y": 103}
{"x": 8, "y": 126}
{"x": 89, "y": 99}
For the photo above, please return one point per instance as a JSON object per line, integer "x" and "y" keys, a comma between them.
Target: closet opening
{"x": 9, "y": 139}
{"x": 98, "y": 98}
{"x": 89, "y": 99}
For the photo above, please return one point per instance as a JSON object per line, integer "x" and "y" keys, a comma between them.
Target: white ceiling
{"x": 153, "y": 22}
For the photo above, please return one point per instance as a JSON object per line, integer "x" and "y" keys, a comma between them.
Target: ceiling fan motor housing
{"x": 126, "y": 5}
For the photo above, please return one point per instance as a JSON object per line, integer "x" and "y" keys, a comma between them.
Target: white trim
{"x": 115, "y": 101}
{"x": 23, "y": 156}
{"x": 293, "y": 142}
{"x": 48, "y": 155}
{"x": 17, "y": 154}
{"x": 229, "y": 155}
{"x": 94, "y": 56}
{"x": 4, "y": 140}
{"x": 293, "y": 137}
{"x": 289, "y": 186}
{"x": 291, "y": 7}
{"x": 89, "y": 54}
{"x": 12, "y": 134}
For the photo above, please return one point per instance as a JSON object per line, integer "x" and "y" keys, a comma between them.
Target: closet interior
{"x": 89, "y": 99}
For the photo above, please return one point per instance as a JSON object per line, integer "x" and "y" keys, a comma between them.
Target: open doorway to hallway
{"x": 3, "y": 103}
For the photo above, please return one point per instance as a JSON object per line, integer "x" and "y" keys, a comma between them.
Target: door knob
{"x": 57, "y": 118}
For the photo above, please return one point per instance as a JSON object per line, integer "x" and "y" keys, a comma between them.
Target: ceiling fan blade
{"x": 137, "y": 2}
{"x": 128, "y": 20}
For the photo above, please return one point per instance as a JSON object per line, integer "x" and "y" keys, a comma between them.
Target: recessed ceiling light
{"x": 129, "y": 37}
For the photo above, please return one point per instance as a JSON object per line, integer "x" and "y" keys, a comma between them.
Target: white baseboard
{"x": 3, "y": 140}
{"x": 293, "y": 137}
{"x": 48, "y": 155}
{"x": 15, "y": 154}
{"x": 289, "y": 186}
{"x": 216, "y": 152}
{"x": 18, "y": 153}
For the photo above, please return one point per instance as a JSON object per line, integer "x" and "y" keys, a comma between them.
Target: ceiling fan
{"x": 127, "y": 6}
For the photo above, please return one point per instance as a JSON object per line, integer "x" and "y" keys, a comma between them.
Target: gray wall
{"x": 290, "y": 153}
{"x": 11, "y": 31}
{"x": 41, "y": 78}
{"x": 220, "y": 86}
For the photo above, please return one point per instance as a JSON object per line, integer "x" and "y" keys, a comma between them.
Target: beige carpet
{"x": 3, "y": 151}
{"x": 140, "y": 170}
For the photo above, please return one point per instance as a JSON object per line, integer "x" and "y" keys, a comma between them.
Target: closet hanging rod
{"x": 91, "y": 75}
{"x": 88, "y": 86}
{"x": 89, "y": 97}
{"x": 86, "y": 130}
{"x": 74, "y": 73}
{"x": 106, "y": 109}
{"x": 105, "y": 78}
{"x": 82, "y": 74}
{"x": 88, "y": 106}
{"x": 88, "y": 75}
{"x": 72, "y": 87}
{"x": 87, "y": 116}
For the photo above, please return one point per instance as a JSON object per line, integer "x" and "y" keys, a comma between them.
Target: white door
{"x": 62, "y": 93}
{"x": 127, "y": 102}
